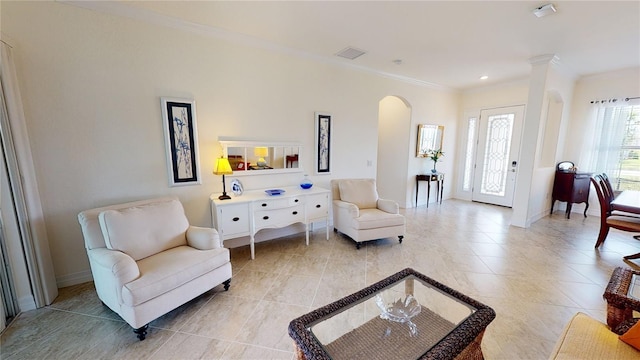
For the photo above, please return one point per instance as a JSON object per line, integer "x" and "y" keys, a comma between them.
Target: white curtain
{"x": 24, "y": 188}
{"x": 607, "y": 128}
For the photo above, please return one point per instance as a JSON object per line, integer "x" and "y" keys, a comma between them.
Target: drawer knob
{"x": 318, "y": 206}
{"x": 264, "y": 204}
{"x": 296, "y": 200}
{"x": 295, "y": 213}
{"x": 265, "y": 218}
{"x": 235, "y": 218}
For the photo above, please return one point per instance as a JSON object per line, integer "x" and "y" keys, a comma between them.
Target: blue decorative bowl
{"x": 274, "y": 192}
{"x": 306, "y": 185}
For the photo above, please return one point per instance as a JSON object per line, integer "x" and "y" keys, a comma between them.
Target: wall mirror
{"x": 429, "y": 138}
{"x": 255, "y": 157}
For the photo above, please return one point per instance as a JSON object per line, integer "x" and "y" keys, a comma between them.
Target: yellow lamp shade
{"x": 222, "y": 167}
{"x": 261, "y": 151}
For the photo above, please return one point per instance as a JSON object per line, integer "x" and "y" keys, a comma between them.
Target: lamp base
{"x": 224, "y": 196}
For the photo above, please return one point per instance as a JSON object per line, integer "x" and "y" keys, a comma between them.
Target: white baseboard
{"x": 74, "y": 279}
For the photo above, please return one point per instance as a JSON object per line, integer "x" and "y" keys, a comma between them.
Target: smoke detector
{"x": 544, "y": 10}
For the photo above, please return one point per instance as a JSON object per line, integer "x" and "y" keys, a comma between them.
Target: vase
{"x": 434, "y": 170}
{"x": 306, "y": 183}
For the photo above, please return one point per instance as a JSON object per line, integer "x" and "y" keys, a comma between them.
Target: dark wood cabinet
{"x": 571, "y": 187}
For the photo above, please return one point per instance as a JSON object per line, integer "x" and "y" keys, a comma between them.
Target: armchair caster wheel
{"x": 141, "y": 333}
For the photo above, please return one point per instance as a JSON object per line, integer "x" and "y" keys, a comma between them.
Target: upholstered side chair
{"x": 360, "y": 214}
{"x": 608, "y": 218}
{"x": 146, "y": 259}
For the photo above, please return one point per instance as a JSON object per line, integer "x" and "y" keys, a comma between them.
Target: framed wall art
{"x": 323, "y": 129}
{"x": 181, "y": 141}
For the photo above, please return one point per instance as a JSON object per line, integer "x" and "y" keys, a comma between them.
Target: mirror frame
{"x": 429, "y": 138}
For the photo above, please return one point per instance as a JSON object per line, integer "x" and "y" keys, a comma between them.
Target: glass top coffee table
{"x": 405, "y": 316}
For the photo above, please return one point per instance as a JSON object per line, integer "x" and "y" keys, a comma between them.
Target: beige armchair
{"x": 361, "y": 215}
{"x": 146, "y": 259}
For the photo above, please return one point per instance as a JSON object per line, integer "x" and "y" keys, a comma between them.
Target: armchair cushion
{"x": 171, "y": 269}
{"x": 374, "y": 219}
{"x": 363, "y": 193}
{"x": 203, "y": 238}
{"x": 388, "y": 206}
{"x": 142, "y": 231}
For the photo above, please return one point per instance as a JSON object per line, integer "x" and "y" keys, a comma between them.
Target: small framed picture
{"x": 236, "y": 187}
{"x": 323, "y": 143}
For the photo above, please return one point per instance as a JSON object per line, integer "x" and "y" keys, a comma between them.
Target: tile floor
{"x": 536, "y": 279}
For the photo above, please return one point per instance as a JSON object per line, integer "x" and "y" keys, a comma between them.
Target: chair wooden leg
{"x": 226, "y": 284}
{"x": 631, "y": 257}
{"x": 604, "y": 231}
{"x": 141, "y": 333}
{"x": 400, "y": 237}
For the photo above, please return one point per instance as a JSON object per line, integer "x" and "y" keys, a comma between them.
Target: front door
{"x": 496, "y": 161}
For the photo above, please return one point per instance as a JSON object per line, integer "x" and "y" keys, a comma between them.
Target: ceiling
{"x": 441, "y": 43}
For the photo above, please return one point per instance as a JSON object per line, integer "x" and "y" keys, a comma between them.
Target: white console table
{"x": 254, "y": 210}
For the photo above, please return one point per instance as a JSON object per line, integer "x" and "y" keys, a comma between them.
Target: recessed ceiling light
{"x": 484, "y": 77}
{"x": 544, "y": 10}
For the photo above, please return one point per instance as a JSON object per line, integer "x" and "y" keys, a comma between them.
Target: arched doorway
{"x": 394, "y": 135}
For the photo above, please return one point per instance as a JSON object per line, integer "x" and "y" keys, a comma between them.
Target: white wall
{"x": 439, "y": 108}
{"x": 91, "y": 85}
{"x": 553, "y": 126}
{"x": 394, "y": 128}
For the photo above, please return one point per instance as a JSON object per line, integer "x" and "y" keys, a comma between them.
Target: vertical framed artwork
{"x": 323, "y": 126}
{"x": 181, "y": 141}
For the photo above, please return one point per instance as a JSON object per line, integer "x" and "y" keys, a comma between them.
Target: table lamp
{"x": 261, "y": 152}
{"x": 223, "y": 168}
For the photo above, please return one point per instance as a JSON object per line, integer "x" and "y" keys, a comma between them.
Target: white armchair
{"x": 361, "y": 215}
{"x": 147, "y": 260}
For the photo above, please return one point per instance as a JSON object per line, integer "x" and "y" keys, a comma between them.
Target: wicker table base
{"x": 620, "y": 305}
{"x": 473, "y": 351}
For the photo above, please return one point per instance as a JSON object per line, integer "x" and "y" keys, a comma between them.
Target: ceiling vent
{"x": 350, "y": 53}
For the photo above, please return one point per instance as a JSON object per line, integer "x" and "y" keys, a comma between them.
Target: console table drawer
{"x": 279, "y": 217}
{"x": 317, "y": 206}
{"x": 277, "y": 203}
{"x": 232, "y": 220}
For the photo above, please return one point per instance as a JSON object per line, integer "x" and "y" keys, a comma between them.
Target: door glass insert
{"x": 499, "y": 132}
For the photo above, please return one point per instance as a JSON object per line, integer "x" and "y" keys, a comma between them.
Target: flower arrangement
{"x": 435, "y": 155}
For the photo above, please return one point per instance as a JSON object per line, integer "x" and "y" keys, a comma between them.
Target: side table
{"x": 438, "y": 178}
{"x": 572, "y": 188}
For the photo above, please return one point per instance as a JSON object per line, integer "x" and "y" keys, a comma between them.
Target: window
{"x": 617, "y": 145}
